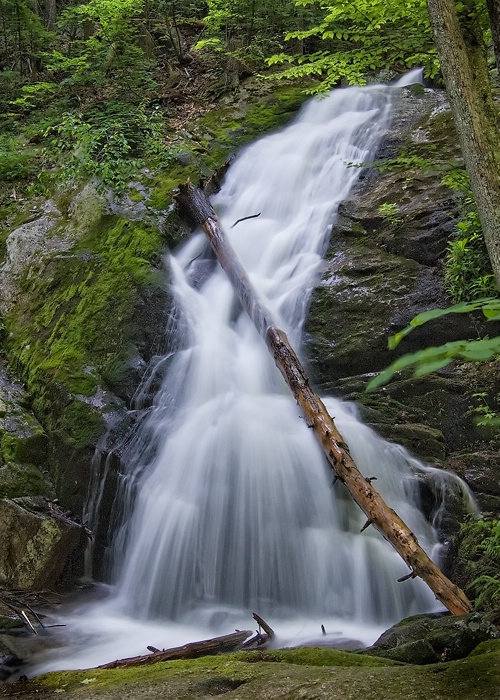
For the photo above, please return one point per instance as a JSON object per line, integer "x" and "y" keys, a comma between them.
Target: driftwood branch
{"x": 262, "y": 623}
{"x": 196, "y": 206}
{"x": 207, "y": 647}
{"x": 259, "y": 640}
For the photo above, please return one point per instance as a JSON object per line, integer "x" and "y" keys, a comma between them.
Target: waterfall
{"x": 228, "y": 505}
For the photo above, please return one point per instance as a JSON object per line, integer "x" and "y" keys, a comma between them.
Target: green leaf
{"x": 489, "y": 306}
{"x": 429, "y": 367}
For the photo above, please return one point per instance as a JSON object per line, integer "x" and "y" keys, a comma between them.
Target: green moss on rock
{"x": 72, "y": 325}
{"x": 473, "y": 677}
{"x": 34, "y": 548}
{"x": 22, "y": 480}
{"x": 24, "y": 448}
{"x": 219, "y": 133}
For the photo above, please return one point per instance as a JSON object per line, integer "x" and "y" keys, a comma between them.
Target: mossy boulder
{"x": 77, "y": 329}
{"x": 34, "y": 548}
{"x": 424, "y": 639}
{"x": 23, "y": 445}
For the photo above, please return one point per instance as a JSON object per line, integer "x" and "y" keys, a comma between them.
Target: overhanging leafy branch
{"x": 434, "y": 358}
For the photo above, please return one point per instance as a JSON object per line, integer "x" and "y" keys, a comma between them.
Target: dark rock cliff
{"x": 383, "y": 266}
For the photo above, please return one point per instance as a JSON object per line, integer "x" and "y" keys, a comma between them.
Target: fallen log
{"x": 195, "y": 205}
{"x": 193, "y": 650}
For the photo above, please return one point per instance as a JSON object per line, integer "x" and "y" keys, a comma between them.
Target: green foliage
{"x": 92, "y": 152}
{"x": 23, "y": 36}
{"x": 35, "y": 95}
{"x": 434, "y": 358}
{"x": 390, "y": 213}
{"x": 111, "y": 16}
{"x": 109, "y": 144}
{"x": 479, "y": 546}
{"x": 247, "y": 31}
{"x": 109, "y": 58}
{"x": 482, "y": 410}
{"x": 16, "y": 163}
{"x": 468, "y": 272}
{"x": 353, "y": 38}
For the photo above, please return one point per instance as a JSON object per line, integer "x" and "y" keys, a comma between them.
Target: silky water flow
{"x": 227, "y": 506}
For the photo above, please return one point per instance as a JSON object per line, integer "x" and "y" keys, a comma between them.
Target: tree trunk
{"x": 193, "y": 650}
{"x": 494, "y": 14}
{"x": 197, "y": 207}
{"x": 50, "y": 13}
{"x": 477, "y": 135}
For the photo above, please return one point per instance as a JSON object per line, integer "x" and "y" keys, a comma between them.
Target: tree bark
{"x": 50, "y": 12}
{"x": 195, "y": 204}
{"x": 193, "y": 650}
{"x": 478, "y": 137}
{"x": 494, "y": 15}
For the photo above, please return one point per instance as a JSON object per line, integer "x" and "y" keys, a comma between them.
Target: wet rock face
{"x": 382, "y": 267}
{"x": 480, "y": 470}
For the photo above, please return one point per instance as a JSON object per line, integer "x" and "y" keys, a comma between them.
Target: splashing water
{"x": 228, "y": 506}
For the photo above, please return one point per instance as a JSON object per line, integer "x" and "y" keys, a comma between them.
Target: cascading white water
{"x": 234, "y": 510}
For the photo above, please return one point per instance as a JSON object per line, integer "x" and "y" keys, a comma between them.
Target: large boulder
{"x": 35, "y": 548}
{"x": 426, "y": 639}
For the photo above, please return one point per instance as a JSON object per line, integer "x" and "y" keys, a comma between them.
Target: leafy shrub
{"x": 468, "y": 272}
{"x": 15, "y": 163}
{"x": 353, "y": 38}
{"x": 479, "y": 548}
{"x": 390, "y": 213}
{"x": 108, "y": 145}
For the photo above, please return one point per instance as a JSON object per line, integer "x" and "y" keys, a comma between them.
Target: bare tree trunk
{"x": 477, "y": 135}
{"x": 50, "y": 14}
{"x": 195, "y": 204}
{"x": 494, "y": 14}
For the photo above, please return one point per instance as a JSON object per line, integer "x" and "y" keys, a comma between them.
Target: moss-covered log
{"x": 195, "y": 204}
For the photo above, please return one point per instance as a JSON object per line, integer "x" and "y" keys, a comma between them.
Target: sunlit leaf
{"x": 429, "y": 367}
{"x": 490, "y": 307}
